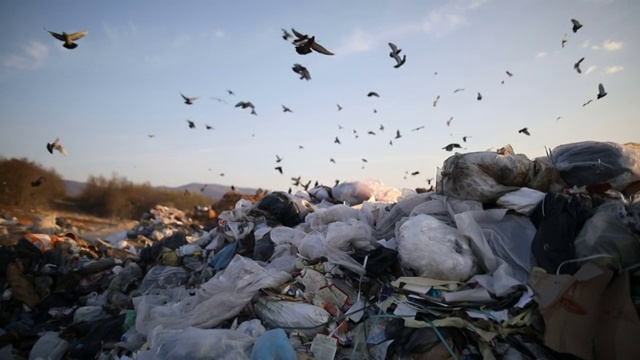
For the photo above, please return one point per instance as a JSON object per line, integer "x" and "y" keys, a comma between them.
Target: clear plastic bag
{"x": 161, "y": 277}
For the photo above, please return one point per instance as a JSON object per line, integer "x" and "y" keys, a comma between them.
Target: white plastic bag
{"x": 524, "y": 200}
{"x": 289, "y": 314}
{"x": 435, "y": 250}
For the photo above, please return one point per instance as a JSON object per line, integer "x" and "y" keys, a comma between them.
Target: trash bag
{"x": 172, "y": 242}
{"x": 357, "y": 192}
{"x": 283, "y": 208}
{"x": 100, "y": 332}
{"x": 161, "y": 277}
{"x": 379, "y": 260}
{"x": 592, "y": 163}
{"x": 559, "y": 218}
{"x": 273, "y": 344}
{"x": 305, "y": 318}
{"x": 49, "y": 346}
{"x": 606, "y": 233}
{"x": 523, "y": 200}
{"x": 486, "y": 176}
{"x": 435, "y": 250}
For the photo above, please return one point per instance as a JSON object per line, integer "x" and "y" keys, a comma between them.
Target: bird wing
{"x": 393, "y": 47}
{"x": 61, "y": 148}
{"x": 286, "y": 33}
{"x": 396, "y": 57}
{"x": 601, "y": 88}
{"x": 580, "y": 61}
{"x": 319, "y": 48}
{"x": 56, "y": 35}
{"x": 575, "y": 22}
{"x": 184, "y": 97}
{"x": 249, "y": 104}
{"x": 78, "y": 35}
{"x": 297, "y": 34}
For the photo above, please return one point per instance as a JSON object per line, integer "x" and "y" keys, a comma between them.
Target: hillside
{"x": 214, "y": 191}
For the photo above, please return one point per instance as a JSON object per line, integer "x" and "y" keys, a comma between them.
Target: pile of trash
{"x": 510, "y": 258}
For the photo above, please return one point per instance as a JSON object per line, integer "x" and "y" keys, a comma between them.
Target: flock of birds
{"x": 305, "y": 44}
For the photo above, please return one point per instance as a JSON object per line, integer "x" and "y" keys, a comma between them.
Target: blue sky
{"x": 124, "y": 81}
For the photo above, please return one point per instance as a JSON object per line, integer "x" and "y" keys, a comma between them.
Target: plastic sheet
{"x": 592, "y": 163}
{"x": 161, "y": 277}
{"x": 435, "y": 250}
{"x": 273, "y": 344}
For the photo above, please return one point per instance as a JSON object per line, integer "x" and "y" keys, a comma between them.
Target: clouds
{"x": 437, "y": 23}
{"x": 34, "y": 55}
{"x": 613, "y": 69}
{"x": 607, "y": 45}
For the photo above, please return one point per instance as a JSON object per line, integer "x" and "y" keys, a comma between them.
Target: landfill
{"x": 507, "y": 258}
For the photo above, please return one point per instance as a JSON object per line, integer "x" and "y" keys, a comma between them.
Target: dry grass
{"x": 16, "y": 176}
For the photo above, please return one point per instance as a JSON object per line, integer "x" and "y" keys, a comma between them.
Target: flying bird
{"x": 337, "y": 141}
{"x": 203, "y": 187}
{"x": 391, "y": 142}
{"x": 564, "y": 40}
{"x": 576, "y": 66}
{"x": 253, "y": 112}
{"x": 524, "y": 131}
{"x": 375, "y": 111}
{"x": 306, "y": 186}
{"x": 381, "y": 127}
{"x": 300, "y": 147}
{"x": 576, "y": 25}
{"x": 286, "y": 35}
{"x": 418, "y": 128}
{"x": 296, "y": 181}
{"x": 510, "y": 74}
{"x": 218, "y": 100}
{"x": 479, "y": 97}
{"x": 69, "y": 39}
{"x": 279, "y": 168}
{"x": 230, "y": 92}
{"x": 450, "y": 147}
{"x": 39, "y": 181}
{"x": 371, "y": 133}
{"x": 340, "y": 127}
{"x": 278, "y": 158}
{"x": 192, "y": 125}
{"x": 458, "y": 90}
{"x": 305, "y": 44}
{"x": 151, "y": 136}
{"x": 188, "y": 100}
{"x": 245, "y": 104}
{"x": 429, "y": 180}
{"x": 558, "y": 118}
{"x": 56, "y": 145}
{"x": 364, "y": 160}
{"x": 339, "y": 107}
{"x": 286, "y": 109}
{"x": 449, "y": 121}
{"x": 588, "y": 102}
{"x": 464, "y": 138}
{"x": 302, "y": 71}
{"x": 601, "y": 92}
{"x": 398, "y": 136}
{"x": 222, "y": 174}
{"x": 395, "y": 54}
{"x": 332, "y": 160}
{"x": 435, "y": 102}
{"x": 415, "y": 173}
{"x": 209, "y": 127}
{"x": 373, "y": 93}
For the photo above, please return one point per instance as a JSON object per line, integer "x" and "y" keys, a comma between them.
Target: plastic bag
{"x": 194, "y": 344}
{"x": 283, "y": 208}
{"x": 273, "y": 344}
{"x": 320, "y": 219}
{"x": 289, "y": 314}
{"x": 606, "y": 233}
{"x": 161, "y": 277}
{"x": 486, "y": 176}
{"x": 357, "y": 192}
{"x": 252, "y": 328}
{"x": 49, "y": 346}
{"x": 593, "y": 162}
{"x": 435, "y": 250}
{"x": 523, "y": 200}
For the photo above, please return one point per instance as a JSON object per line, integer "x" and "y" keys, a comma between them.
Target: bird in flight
{"x": 286, "y": 35}
{"x": 576, "y": 66}
{"x": 218, "y": 100}
{"x": 415, "y": 173}
{"x": 601, "y": 92}
{"x": 418, "y": 128}
{"x": 151, "y": 136}
{"x": 479, "y": 97}
{"x": 209, "y": 127}
{"x": 395, "y": 54}
{"x": 524, "y": 131}
{"x": 449, "y": 121}
{"x": 381, "y": 127}
{"x": 458, "y": 90}
{"x": 398, "y": 136}
{"x": 337, "y": 141}
{"x": 305, "y": 44}
{"x": 339, "y": 107}
{"x": 39, "y": 181}
{"x": 192, "y": 125}
{"x": 286, "y": 109}
{"x": 464, "y": 138}
{"x": 278, "y": 158}
{"x": 564, "y": 40}
{"x": 279, "y": 168}
{"x": 230, "y": 92}
{"x": 373, "y": 93}
{"x": 332, "y": 160}
{"x": 302, "y": 71}
{"x": 576, "y": 25}
{"x": 588, "y": 102}
{"x": 509, "y": 73}
{"x": 435, "y": 102}
{"x": 450, "y": 147}
{"x": 371, "y": 133}
{"x": 69, "y": 39}
{"x": 56, "y": 145}
{"x": 188, "y": 100}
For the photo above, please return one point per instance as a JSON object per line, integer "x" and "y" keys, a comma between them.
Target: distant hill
{"x": 214, "y": 191}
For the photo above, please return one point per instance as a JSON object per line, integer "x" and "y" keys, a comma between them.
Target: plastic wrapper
{"x": 252, "y": 328}
{"x": 357, "y": 192}
{"x": 523, "y": 200}
{"x": 161, "y": 277}
{"x": 273, "y": 344}
{"x": 592, "y": 163}
{"x": 283, "y": 208}
{"x": 486, "y": 176}
{"x": 605, "y": 233}
{"x": 320, "y": 219}
{"x": 288, "y": 314}
{"x": 198, "y": 344}
{"x": 435, "y": 250}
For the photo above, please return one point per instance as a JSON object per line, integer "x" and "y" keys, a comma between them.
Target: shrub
{"x": 16, "y": 176}
{"x": 121, "y": 198}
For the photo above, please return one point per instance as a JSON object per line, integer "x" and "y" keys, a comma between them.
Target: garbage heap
{"x": 510, "y": 258}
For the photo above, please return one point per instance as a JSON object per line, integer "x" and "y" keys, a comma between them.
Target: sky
{"x": 124, "y": 80}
